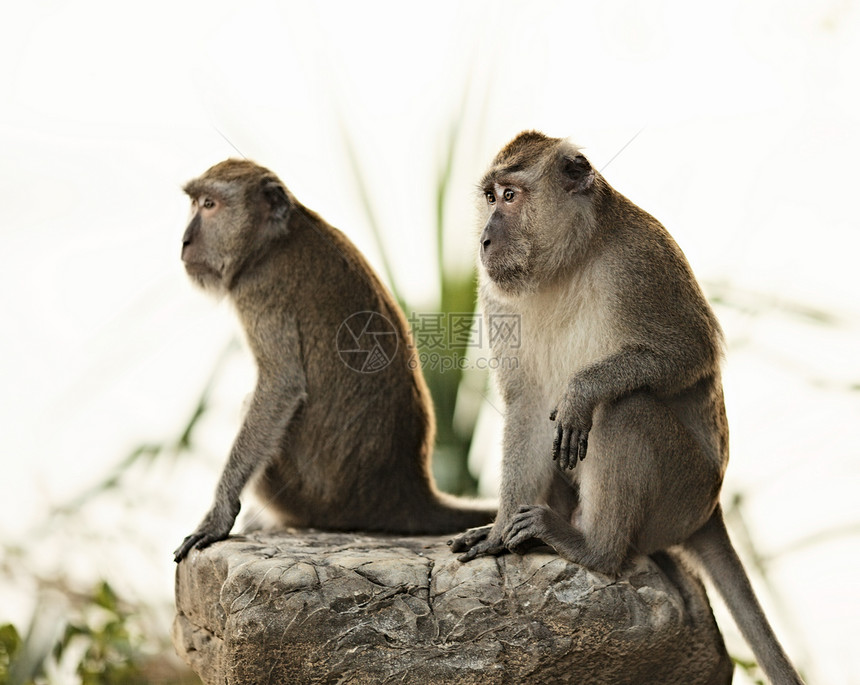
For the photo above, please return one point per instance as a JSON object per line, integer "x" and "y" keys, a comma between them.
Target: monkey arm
{"x": 258, "y": 442}
{"x": 630, "y": 369}
{"x": 640, "y": 367}
{"x": 281, "y": 390}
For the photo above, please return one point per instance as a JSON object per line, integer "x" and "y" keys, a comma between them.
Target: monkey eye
{"x": 208, "y": 203}
{"x": 491, "y": 198}
{"x": 508, "y": 195}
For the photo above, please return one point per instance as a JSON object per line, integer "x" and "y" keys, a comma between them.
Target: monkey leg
{"x": 527, "y": 476}
{"x": 647, "y": 485}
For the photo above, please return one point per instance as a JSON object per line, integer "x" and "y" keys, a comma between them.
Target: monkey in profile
{"x": 617, "y": 358}
{"x": 340, "y": 427}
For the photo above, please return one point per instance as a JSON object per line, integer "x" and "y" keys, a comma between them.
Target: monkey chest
{"x": 548, "y": 350}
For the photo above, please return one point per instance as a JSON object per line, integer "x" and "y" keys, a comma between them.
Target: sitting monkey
{"x": 340, "y": 428}
{"x": 617, "y": 358}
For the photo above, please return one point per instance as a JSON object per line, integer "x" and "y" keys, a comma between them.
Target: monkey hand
{"x": 215, "y": 526}
{"x": 573, "y": 421}
{"x": 477, "y": 542}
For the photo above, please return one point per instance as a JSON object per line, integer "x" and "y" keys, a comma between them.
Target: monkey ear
{"x": 277, "y": 199}
{"x": 577, "y": 174}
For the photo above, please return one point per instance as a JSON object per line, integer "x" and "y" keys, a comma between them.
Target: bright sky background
{"x": 735, "y": 123}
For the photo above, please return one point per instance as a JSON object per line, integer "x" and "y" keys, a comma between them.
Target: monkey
{"x": 615, "y": 438}
{"x": 340, "y": 427}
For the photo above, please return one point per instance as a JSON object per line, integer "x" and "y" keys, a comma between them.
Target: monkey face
{"x": 537, "y": 196}
{"x": 207, "y": 240}
{"x": 237, "y": 208}
{"x": 504, "y": 246}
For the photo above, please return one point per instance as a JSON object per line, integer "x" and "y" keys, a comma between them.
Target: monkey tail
{"x": 449, "y": 514}
{"x": 711, "y": 546}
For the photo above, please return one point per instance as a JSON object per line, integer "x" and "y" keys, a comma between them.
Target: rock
{"x": 313, "y": 607}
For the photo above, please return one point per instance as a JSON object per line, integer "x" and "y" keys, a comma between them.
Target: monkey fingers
{"x": 197, "y": 540}
{"x": 581, "y": 447}
{"x": 564, "y": 459}
{"x": 574, "y": 447}
{"x": 556, "y": 444}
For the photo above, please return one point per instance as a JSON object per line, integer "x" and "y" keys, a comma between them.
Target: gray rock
{"x": 313, "y": 607}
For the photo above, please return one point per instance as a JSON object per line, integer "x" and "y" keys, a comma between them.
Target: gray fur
{"x": 616, "y": 439}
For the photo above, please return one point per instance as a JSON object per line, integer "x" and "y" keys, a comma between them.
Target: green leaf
{"x": 10, "y": 646}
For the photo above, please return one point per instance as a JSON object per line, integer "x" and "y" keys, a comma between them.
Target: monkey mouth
{"x": 203, "y": 275}
{"x": 199, "y": 269}
{"x": 509, "y": 277}
{"x": 506, "y": 272}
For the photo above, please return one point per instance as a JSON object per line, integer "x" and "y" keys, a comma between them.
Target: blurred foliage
{"x": 748, "y": 550}
{"x": 754, "y": 304}
{"x": 10, "y": 647}
{"x": 148, "y": 452}
{"x": 94, "y": 637}
{"x": 457, "y": 295}
{"x": 750, "y": 669}
{"x": 88, "y": 639}
{"x": 443, "y": 351}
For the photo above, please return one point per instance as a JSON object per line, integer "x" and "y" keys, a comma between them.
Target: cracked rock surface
{"x": 313, "y": 607}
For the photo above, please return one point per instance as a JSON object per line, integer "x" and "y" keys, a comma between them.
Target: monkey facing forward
{"x": 617, "y": 359}
{"x": 340, "y": 427}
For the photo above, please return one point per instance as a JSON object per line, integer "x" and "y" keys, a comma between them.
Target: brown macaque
{"x": 615, "y": 437}
{"x": 340, "y": 428}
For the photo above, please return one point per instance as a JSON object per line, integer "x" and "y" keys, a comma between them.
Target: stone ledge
{"x": 314, "y": 607}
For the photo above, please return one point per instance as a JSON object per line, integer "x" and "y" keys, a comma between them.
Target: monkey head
{"x": 536, "y": 211}
{"x": 237, "y": 209}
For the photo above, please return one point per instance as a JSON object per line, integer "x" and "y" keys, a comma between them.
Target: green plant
{"x": 442, "y": 349}
{"x": 94, "y": 638}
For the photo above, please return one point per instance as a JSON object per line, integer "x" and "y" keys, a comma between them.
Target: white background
{"x": 736, "y": 124}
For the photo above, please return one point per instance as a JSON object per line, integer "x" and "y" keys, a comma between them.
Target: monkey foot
{"x": 476, "y": 542}
{"x": 531, "y": 522}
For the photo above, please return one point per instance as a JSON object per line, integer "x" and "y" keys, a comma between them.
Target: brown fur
{"x": 333, "y": 447}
